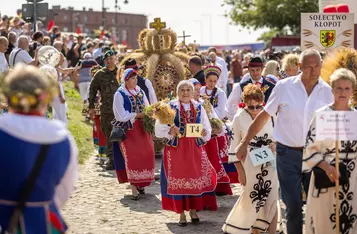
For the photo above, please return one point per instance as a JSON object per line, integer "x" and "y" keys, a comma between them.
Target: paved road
{"x": 102, "y": 206}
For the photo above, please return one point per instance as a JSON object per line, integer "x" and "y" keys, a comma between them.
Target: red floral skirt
{"x": 187, "y": 178}
{"x": 223, "y": 146}
{"x": 212, "y": 149}
{"x": 139, "y": 156}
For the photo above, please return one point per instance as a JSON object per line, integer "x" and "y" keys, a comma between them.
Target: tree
{"x": 267, "y": 36}
{"x": 277, "y": 15}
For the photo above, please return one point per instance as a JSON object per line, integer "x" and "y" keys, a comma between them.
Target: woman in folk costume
{"x": 29, "y": 141}
{"x": 98, "y": 135}
{"x": 321, "y": 214}
{"x": 256, "y": 209}
{"x": 132, "y": 163}
{"x": 188, "y": 179}
{"x": 217, "y": 147}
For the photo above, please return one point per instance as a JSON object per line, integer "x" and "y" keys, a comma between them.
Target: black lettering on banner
{"x": 265, "y": 154}
{"x": 195, "y": 129}
{"x": 192, "y": 128}
{"x": 258, "y": 156}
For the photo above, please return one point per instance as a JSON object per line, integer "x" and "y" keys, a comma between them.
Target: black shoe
{"x": 195, "y": 220}
{"x": 135, "y": 197}
{"x": 109, "y": 165}
{"x": 182, "y": 223}
{"x": 141, "y": 190}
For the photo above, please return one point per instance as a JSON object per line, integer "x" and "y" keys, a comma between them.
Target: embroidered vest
{"x": 266, "y": 86}
{"x": 180, "y": 124}
{"x": 130, "y": 105}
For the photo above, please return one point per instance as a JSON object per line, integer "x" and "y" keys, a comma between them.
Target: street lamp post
{"x": 103, "y": 16}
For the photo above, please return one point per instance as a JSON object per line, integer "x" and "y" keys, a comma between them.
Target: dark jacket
{"x": 142, "y": 85}
{"x": 106, "y": 83}
{"x": 200, "y": 76}
{"x": 266, "y": 86}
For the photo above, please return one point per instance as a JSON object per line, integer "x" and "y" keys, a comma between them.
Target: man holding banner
{"x": 294, "y": 100}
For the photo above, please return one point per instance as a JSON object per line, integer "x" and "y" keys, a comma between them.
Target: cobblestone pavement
{"x": 102, "y": 206}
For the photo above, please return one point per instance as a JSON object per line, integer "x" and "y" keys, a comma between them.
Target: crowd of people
{"x": 239, "y": 101}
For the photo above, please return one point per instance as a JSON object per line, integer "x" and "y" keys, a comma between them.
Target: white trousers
{"x": 84, "y": 90}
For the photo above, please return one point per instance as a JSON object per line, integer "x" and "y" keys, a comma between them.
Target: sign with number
{"x": 336, "y": 125}
{"x": 261, "y": 155}
{"x": 194, "y": 130}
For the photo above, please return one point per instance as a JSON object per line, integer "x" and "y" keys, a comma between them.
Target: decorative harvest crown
{"x": 157, "y": 39}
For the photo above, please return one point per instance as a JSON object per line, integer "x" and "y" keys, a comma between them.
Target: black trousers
{"x": 106, "y": 126}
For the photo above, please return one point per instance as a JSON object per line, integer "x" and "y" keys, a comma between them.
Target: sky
{"x": 204, "y": 20}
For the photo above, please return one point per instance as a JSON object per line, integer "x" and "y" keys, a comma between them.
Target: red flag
{"x": 330, "y": 9}
{"x": 124, "y": 42}
{"x": 78, "y": 30}
{"x": 101, "y": 35}
{"x": 342, "y": 8}
{"x": 50, "y": 25}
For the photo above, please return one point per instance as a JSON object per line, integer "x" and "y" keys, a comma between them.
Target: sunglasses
{"x": 257, "y": 107}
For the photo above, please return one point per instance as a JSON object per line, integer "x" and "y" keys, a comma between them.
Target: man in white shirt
{"x": 4, "y": 43}
{"x": 224, "y": 74}
{"x": 98, "y": 51}
{"x": 294, "y": 100}
{"x": 21, "y": 55}
{"x": 255, "y": 67}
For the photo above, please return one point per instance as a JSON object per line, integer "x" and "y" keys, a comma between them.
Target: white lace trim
{"x": 137, "y": 175}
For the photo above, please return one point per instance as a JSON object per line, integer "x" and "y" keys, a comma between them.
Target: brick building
{"x": 124, "y": 27}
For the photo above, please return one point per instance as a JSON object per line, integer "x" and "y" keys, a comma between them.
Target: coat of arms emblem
{"x": 327, "y": 38}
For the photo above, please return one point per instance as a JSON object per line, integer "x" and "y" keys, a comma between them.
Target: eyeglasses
{"x": 257, "y": 107}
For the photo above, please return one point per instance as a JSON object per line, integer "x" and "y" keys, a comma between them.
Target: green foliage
{"x": 80, "y": 129}
{"x": 267, "y": 36}
{"x": 273, "y": 14}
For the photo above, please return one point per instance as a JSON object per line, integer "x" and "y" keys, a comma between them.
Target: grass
{"x": 81, "y": 130}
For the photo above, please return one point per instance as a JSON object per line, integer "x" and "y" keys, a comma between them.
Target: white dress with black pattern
{"x": 257, "y": 205}
{"x": 320, "y": 215}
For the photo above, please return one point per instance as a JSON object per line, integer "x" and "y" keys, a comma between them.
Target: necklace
{"x": 184, "y": 115}
{"x": 130, "y": 92}
{"x": 209, "y": 95}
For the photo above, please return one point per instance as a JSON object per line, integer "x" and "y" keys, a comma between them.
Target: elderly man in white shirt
{"x": 294, "y": 100}
{"x": 21, "y": 55}
{"x": 4, "y": 43}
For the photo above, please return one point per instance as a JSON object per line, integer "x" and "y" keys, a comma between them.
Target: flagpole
{"x": 337, "y": 211}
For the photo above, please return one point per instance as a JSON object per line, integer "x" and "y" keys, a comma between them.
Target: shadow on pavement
{"x": 147, "y": 203}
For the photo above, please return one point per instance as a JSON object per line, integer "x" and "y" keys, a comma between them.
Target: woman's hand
{"x": 241, "y": 173}
{"x": 242, "y": 151}
{"x": 330, "y": 171}
{"x": 272, "y": 146}
{"x": 62, "y": 100}
{"x": 204, "y": 132}
{"x": 140, "y": 115}
{"x": 174, "y": 131}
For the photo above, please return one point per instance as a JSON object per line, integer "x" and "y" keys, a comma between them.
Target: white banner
{"x": 327, "y": 31}
{"x": 336, "y": 125}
